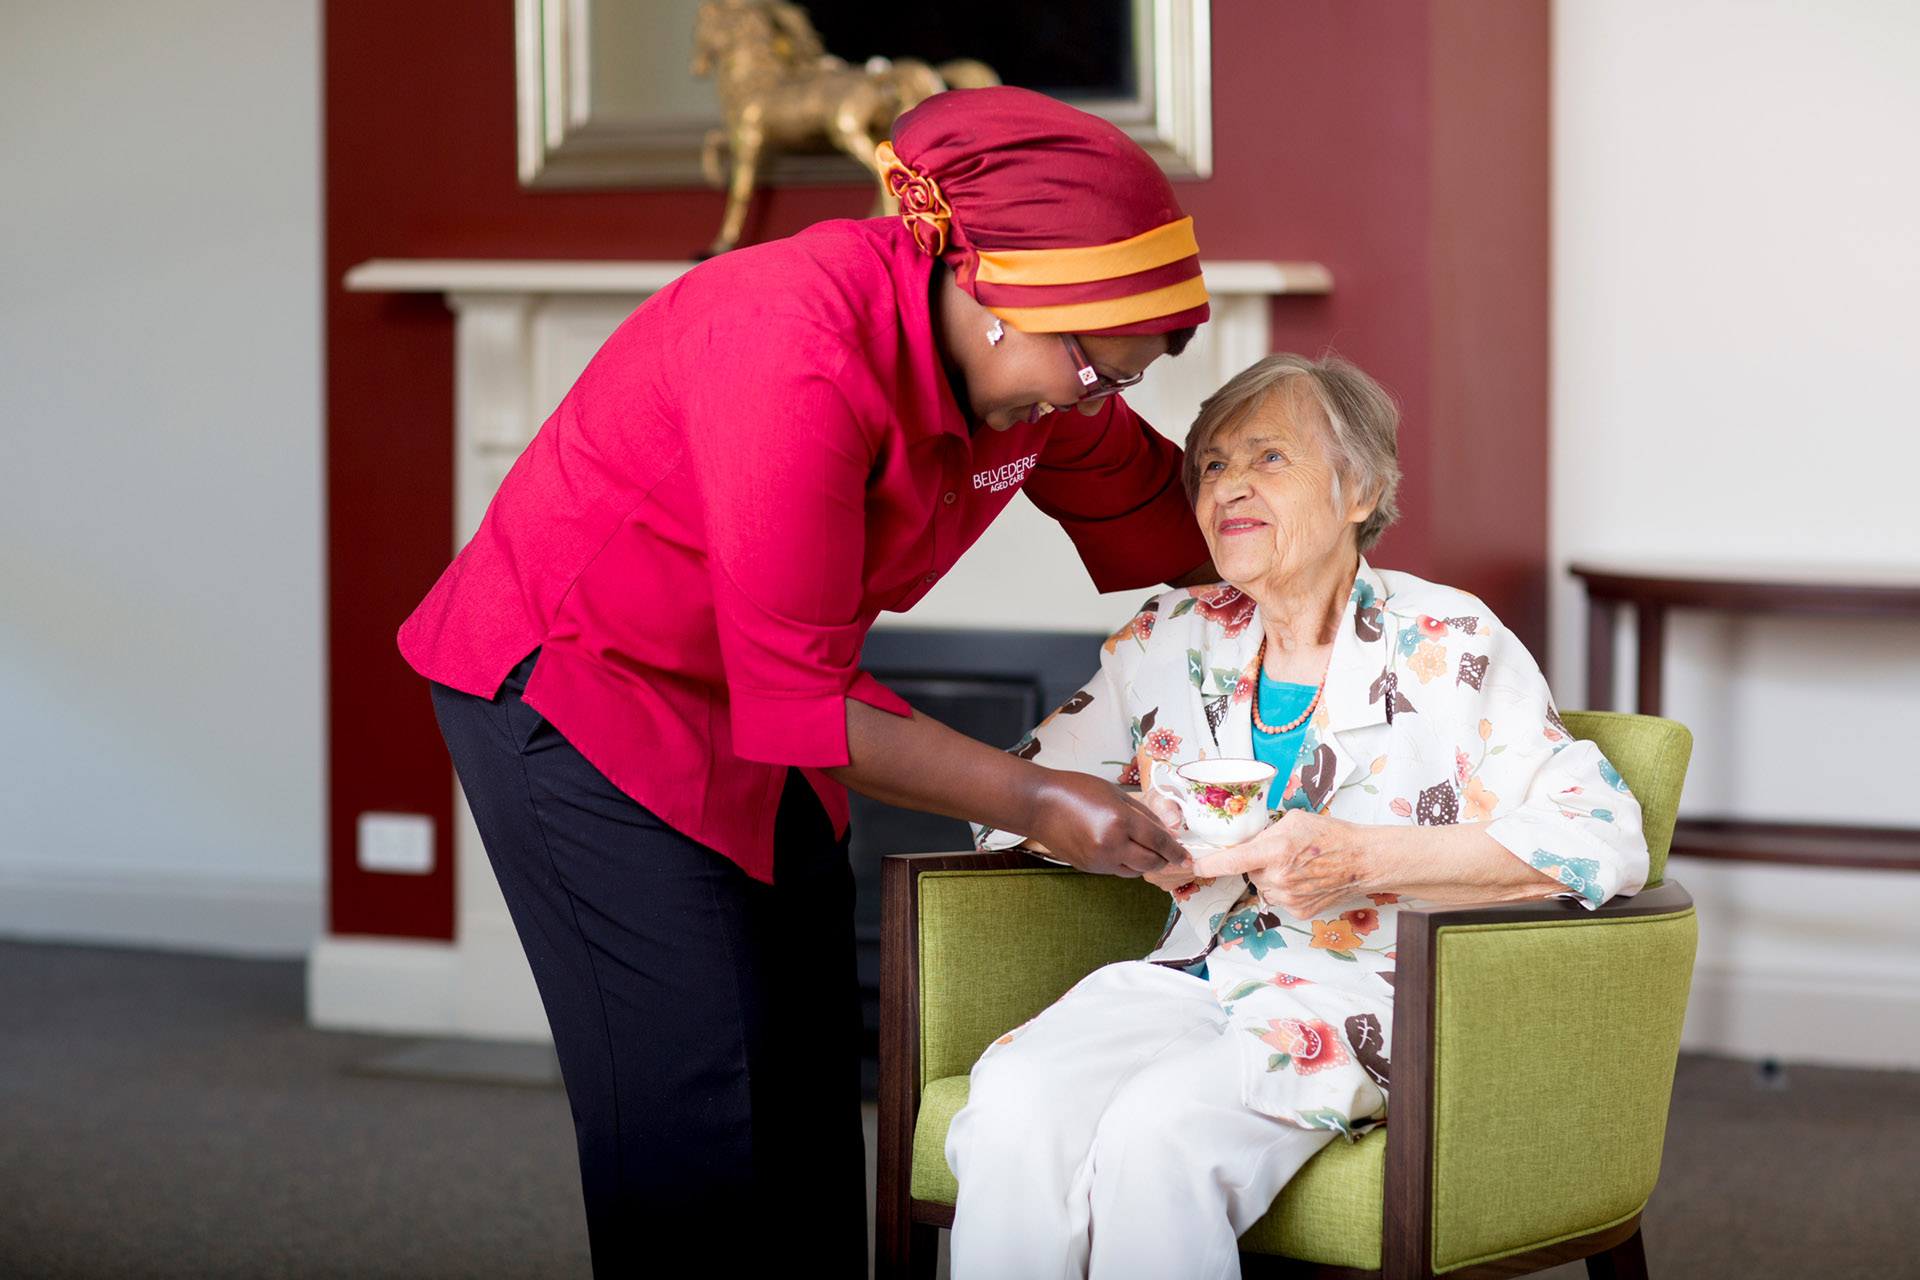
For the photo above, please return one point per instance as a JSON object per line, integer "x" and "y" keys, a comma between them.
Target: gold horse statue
{"x": 780, "y": 90}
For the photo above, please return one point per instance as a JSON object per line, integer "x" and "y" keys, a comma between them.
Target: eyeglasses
{"x": 1096, "y": 385}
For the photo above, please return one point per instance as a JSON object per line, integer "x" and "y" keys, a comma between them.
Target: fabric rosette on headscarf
{"x": 1051, "y": 218}
{"x": 922, "y": 207}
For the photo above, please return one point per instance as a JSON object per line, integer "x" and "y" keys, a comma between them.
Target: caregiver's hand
{"x": 1095, "y": 826}
{"x": 1303, "y": 864}
{"x": 918, "y": 763}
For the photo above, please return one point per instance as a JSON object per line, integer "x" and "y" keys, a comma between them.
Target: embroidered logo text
{"x": 1007, "y": 476}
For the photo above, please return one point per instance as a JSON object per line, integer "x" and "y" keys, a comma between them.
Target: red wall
{"x": 1487, "y": 332}
{"x": 1402, "y": 145}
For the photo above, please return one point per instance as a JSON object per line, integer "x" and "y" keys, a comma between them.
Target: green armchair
{"x": 1534, "y": 1047}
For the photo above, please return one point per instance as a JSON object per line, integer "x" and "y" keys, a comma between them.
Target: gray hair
{"x": 1364, "y": 419}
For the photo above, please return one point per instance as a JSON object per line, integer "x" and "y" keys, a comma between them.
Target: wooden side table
{"x": 1651, "y": 591}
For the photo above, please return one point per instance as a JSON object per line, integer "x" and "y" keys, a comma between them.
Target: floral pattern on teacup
{"x": 1225, "y": 800}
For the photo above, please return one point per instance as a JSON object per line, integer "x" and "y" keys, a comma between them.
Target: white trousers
{"x": 1108, "y": 1139}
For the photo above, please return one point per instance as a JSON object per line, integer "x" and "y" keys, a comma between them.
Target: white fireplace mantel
{"x": 523, "y": 331}
{"x": 491, "y": 275}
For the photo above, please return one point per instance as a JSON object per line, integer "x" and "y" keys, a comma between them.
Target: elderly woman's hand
{"x": 1173, "y": 875}
{"x": 1303, "y": 864}
{"x": 1161, "y": 806}
{"x": 1306, "y": 863}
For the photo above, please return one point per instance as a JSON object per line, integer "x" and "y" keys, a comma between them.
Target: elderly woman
{"x": 1146, "y": 1119}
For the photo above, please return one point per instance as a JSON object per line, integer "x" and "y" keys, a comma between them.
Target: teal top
{"x": 1280, "y": 703}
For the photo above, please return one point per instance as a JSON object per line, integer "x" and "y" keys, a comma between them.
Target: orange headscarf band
{"x": 1149, "y": 249}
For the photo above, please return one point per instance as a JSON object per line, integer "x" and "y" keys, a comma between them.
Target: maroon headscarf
{"x": 1051, "y": 218}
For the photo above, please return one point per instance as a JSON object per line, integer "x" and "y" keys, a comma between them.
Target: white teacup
{"x": 1223, "y": 801}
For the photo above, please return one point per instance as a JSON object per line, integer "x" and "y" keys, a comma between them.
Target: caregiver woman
{"x": 646, "y": 662}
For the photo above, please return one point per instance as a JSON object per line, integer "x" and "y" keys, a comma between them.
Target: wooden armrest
{"x": 915, "y": 864}
{"x": 1662, "y": 899}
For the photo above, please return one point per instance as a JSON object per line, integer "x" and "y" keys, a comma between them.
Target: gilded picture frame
{"x": 607, "y": 97}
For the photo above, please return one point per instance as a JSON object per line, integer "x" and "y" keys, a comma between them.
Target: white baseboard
{"x": 1817, "y": 1019}
{"x": 223, "y": 916}
{"x": 382, "y": 984}
{"x": 1804, "y": 964}
{"x": 406, "y": 987}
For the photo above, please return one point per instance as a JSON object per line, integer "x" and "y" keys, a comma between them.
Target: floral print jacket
{"x": 1433, "y": 713}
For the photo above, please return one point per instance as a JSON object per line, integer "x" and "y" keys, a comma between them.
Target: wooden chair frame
{"x": 906, "y": 1229}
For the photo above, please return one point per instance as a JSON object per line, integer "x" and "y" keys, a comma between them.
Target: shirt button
{"x": 951, "y": 497}
{"x": 932, "y": 576}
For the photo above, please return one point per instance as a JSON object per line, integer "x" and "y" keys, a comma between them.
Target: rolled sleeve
{"x": 809, "y": 730}
{"x": 1113, "y": 483}
{"x": 1577, "y": 828}
{"x": 782, "y": 463}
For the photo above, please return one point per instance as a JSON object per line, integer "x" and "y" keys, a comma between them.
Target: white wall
{"x": 161, "y": 765}
{"x": 1736, "y": 337}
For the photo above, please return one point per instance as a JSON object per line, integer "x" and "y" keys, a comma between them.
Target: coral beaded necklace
{"x": 1259, "y": 669}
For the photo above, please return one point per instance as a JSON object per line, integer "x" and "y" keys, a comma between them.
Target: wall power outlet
{"x": 396, "y": 843}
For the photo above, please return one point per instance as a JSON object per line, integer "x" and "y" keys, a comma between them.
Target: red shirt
{"x": 762, "y": 458}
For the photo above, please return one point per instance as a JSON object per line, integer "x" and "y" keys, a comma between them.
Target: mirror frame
{"x": 562, "y": 144}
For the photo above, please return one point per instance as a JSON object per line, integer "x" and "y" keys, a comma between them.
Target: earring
{"x": 996, "y": 332}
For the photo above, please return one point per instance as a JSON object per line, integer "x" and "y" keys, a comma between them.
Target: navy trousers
{"x": 707, "y": 1025}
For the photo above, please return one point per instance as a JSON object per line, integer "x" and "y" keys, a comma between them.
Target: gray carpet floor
{"x": 173, "y": 1116}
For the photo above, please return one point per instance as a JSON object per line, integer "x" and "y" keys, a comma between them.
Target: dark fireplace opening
{"x": 992, "y": 686}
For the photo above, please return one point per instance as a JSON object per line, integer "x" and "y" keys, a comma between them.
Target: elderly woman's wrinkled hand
{"x": 1303, "y": 864}
{"x": 1173, "y": 875}
{"x": 1161, "y": 806}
